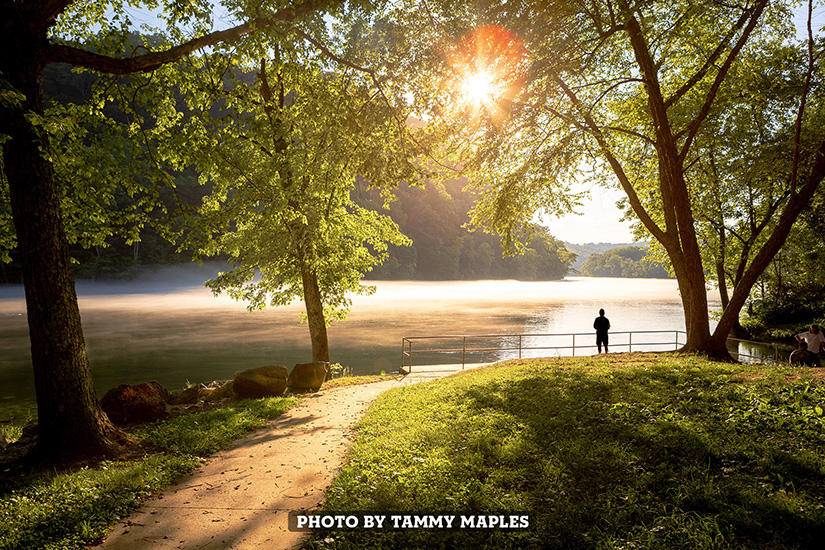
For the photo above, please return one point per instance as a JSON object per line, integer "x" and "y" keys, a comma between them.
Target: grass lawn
{"x": 624, "y": 451}
{"x": 67, "y": 510}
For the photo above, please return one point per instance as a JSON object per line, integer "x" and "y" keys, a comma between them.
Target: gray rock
{"x": 187, "y": 396}
{"x": 224, "y": 391}
{"x": 308, "y": 376}
{"x": 260, "y": 382}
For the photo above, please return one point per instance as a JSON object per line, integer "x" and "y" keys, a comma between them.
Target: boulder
{"x": 205, "y": 392}
{"x": 224, "y": 391}
{"x": 187, "y": 396}
{"x": 308, "y": 376}
{"x": 260, "y": 382}
{"x": 142, "y": 402}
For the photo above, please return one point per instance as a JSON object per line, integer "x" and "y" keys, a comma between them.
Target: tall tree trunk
{"x": 315, "y": 315}
{"x": 71, "y": 422}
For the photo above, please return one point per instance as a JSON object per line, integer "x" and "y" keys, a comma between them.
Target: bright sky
{"x": 598, "y": 222}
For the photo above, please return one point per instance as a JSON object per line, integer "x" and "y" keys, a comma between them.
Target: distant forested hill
{"x": 623, "y": 261}
{"x": 584, "y": 251}
{"x": 442, "y": 249}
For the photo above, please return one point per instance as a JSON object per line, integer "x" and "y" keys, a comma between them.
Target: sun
{"x": 488, "y": 67}
{"x": 478, "y": 87}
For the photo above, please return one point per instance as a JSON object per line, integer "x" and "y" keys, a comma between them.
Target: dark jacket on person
{"x": 601, "y": 324}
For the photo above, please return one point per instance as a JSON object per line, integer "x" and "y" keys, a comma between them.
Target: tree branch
{"x": 709, "y": 62}
{"x": 801, "y": 112}
{"x": 774, "y": 242}
{"x": 631, "y": 133}
{"x": 48, "y": 10}
{"x": 61, "y": 53}
{"x": 632, "y": 197}
{"x": 720, "y": 77}
{"x": 327, "y": 52}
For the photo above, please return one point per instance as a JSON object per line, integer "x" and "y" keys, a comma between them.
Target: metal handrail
{"x": 407, "y": 351}
{"x": 773, "y": 345}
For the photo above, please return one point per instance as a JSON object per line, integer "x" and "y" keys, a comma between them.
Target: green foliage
{"x": 8, "y": 239}
{"x": 13, "y": 417}
{"x": 791, "y": 290}
{"x": 207, "y": 432}
{"x": 70, "y": 510}
{"x": 348, "y": 380}
{"x": 689, "y": 107}
{"x": 628, "y": 451}
{"x": 73, "y": 509}
{"x": 746, "y": 150}
{"x": 123, "y": 192}
{"x": 284, "y": 164}
{"x": 624, "y": 261}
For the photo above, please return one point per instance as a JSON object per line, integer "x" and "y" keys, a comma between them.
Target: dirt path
{"x": 241, "y": 498}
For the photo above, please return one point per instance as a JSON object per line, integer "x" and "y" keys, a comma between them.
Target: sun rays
{"x": 488, "y": 71}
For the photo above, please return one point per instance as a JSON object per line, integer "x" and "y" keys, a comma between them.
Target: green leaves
{"x": 284, "y": 163}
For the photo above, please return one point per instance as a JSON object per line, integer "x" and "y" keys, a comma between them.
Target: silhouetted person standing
{"x": 602, "y": 325}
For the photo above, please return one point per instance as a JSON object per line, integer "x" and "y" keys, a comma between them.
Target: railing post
{"x": 463, "y": 352}
{"x": 574, "y": 345}
{"x": 630, "y": 342}
{"x": 519, "y": 346}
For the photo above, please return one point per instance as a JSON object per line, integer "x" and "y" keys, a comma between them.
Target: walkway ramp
{"x": 241, "y": 498}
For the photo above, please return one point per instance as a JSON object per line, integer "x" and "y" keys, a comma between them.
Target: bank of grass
{"x": 68, "y": 510}
{"x": 624, "y": 451}
{"x": 14, "y": 418}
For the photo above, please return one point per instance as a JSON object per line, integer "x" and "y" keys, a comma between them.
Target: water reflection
{"x": 757, "y": 352}
{"x": 176, "y": 331}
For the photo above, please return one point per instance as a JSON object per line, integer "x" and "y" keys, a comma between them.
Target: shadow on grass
{"x": 653, "y": 457}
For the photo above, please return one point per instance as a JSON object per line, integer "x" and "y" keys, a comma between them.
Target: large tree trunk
{"x": 71, "y": 422}
{"x": 315, "y": 316}
{"x": 695, "y": 303}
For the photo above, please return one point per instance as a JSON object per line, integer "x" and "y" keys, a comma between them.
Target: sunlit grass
{"x": 13, "y": 418}
{"x": 624, "y": 451}
{"x": 74, "y": 509}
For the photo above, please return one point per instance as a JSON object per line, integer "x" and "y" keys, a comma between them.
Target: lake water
{"x": 178, "y": 332}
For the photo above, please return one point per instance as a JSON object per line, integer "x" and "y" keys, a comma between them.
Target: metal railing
{"x": 520, "y": 343}
{"x": 756, "y": 358}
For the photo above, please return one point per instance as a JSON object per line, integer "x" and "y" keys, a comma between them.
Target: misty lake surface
{"x": 178, "y": 332}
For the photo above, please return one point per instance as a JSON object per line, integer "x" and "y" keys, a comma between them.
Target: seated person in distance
{"x": 801, "y": 356}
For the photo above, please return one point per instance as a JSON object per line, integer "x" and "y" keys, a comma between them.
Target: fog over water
{"x": 168, "y": 327}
